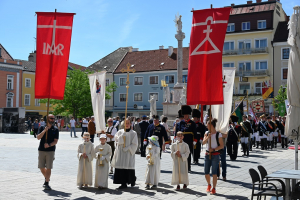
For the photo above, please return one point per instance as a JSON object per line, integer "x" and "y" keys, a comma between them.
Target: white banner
{"x": 222, "y": 112}
{"x": 97, "y": 86}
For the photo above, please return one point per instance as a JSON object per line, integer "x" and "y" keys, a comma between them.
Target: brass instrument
{"x": 150, "y": 158}
{"x": 267, "y": 133}
{"x": 100, "y": 156}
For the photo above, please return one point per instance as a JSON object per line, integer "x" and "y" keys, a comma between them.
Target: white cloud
{"x": 127, "y": 27}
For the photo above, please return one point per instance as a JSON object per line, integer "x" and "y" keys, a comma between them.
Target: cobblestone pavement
{"x": 21, "y": 179}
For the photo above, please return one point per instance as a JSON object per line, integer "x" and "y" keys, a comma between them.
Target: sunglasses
{"x": 109, "y": 121}
{"x": 51, "y": 118}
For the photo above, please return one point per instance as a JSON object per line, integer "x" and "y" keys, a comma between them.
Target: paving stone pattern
{"x": 20, "y": 177}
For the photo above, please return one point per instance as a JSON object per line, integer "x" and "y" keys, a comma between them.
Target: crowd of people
{"x": 122, "y": 140}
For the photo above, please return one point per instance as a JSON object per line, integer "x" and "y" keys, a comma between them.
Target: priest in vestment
{"x": 102, "y": 154}
{"x": 126, "y": 142}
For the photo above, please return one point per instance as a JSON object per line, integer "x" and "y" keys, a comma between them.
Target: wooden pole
{"x": 47, "y": 120}
{"x": 209, "y": 131}
{"x": 179, "y": 174}
{"x": 83, "y": 177}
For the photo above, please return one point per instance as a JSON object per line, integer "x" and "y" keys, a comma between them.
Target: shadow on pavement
{"x": 246, "y": 161}
{"x": 164, "y": 185}
{"x": 189, "y": 191}
{"x": 82, "y": 198}
{"x": 246, "y": 185}
{"x": 232, "y": 166}
{"x": 132, "y": 190}
{"x": 103, "y": 191}
{"x": 166, "y": 172}
{"x": 230, "y": 196}
{"x": 56, "y": 193}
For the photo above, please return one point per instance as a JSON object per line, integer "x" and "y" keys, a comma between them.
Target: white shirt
{"x": 113, "y": 133}
{"x": 85, "y": 125}
{"x": 214, "y": 143}
{"x": 72, "y": 122}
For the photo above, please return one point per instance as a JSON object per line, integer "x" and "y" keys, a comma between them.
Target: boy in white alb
{"x": 85, "y": 155}
{"x": 153, "y": 158}
{"x": 102, "y": 154}
{"x": 180, "y": 152}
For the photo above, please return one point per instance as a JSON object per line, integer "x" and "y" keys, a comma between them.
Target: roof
{"x": 75, "y": 66}
{"x": 4, "y": 54}
{"x": 111, "y": 61}
{"x": 282, "y": 32}
{"x": 31, "y": 66}
{"x": 153, "y": 60}
{"x": 253, "y": 7}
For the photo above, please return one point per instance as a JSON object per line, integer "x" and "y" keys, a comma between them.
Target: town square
{"x": 136, "y": 100}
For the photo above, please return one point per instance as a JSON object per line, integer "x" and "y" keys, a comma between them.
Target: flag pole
{"x": 47, "y": 119}
{"x": 209, "y": 131}
{"x": 238, "y": 105}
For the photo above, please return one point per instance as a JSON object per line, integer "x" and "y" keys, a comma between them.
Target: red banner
{"x": 53, "y": 43}
{"x": 205, "y": 83}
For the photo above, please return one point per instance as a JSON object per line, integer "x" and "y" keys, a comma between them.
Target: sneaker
{"x": 147, "y": 187}
{"x": 184, "y": 186}
{"x": 213, "y": 191}
{"x": 178, "y": 187}
{"x": 208, "y": 188}
{"x": 47, "y": 187}
{"x": 154, "y": 187}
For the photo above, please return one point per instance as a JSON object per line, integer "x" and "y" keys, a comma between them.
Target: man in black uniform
{"x": 246, "y": 130}
{"x": 271, "y": 129}
{"x": 232, "y": 140}
{"x": 252, "y": 141}
{"x": 156, "y": 129}
{"x": 284, "y": 138}
{"x": 200, "y": 129}
{"x": 143, "y": 125}
{"x": 188, "y": 127}
{"x": 262, "y": 128}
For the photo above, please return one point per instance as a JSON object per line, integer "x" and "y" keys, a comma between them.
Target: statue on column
{"x": 152, "y": 102}
{"x": 167, "y": 94}
{"x": 183, "y": 97}
{"x": 178, "y": 22}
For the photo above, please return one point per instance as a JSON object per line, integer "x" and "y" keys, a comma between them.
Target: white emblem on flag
{"x": 56, "y": 50}
{"x": 207, "y": 38}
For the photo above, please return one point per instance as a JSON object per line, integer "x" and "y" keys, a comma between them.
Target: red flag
{"x": 53, "y": 42}
{"x": 204, "y": 84}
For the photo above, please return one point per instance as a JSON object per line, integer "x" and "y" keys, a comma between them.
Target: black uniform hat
{"x": 155, "y": 117}
{"x": 196, "y": 113}
{"x": 179, "y": 114}
{"x": 269, "y": 117}
{"x": 234, "y": 118}
{"x": 186, "y": 110}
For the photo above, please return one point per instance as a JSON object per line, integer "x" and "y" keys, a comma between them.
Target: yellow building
{"x": 34, "y": 108}
{"x": 248, "y": 47}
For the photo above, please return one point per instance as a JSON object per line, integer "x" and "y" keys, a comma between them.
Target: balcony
{"x": 251, "y": 73}
{"x": 245, "y": 51}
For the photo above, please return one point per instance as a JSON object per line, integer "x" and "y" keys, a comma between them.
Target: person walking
{"x": 84, "y": 126}
{"x": 110, "y": 135}
{"x": 35, "y": 127}
{"x": 137, "y": 129}
{"x": 214, "y": 147}
{"x": 232, "y": 141}
{"x": 143, "y": 126}
{"x": 198, "y": 138}
{"x": 73, "y": 124}
{"x": 92, "y": 128}
{"x": 165, "y": 143}
{"x": 48, "y": 136}
{"x": 29, "y": 124}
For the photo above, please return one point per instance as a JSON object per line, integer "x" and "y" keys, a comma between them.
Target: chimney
{"x": 170, "y": 51}
{"x": 258, "y": 1}
{"x": 161, "y": 47}
{"x": 249, "y": 2}
{"x": 135, "y": 49}
{"x": 32, "y": 57}
{"x": 232, "y": 4}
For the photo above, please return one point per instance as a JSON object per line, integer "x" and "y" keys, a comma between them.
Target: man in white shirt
{"x": 110, "y": 134}
{"x": 73, "y": 123}
{"x": 84, "y": 126}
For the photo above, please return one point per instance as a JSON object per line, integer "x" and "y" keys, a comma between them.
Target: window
{"x": 138, "y": 80}
{"x": 245, "y": 26}
{"x": 184, "y": 78}
{"x": 10, "y": 82}
{"x": 37, "y": 102}
{"x": 228, "y": 64}
{"x": 284, "y": 73}
{"x": 244, "y": 87}
{"x": 9, "y": 100}
{"x": 258, "y": 88}
{"x": 107, "y": 82}
{"x": 245, "y": 44}
{"x": 153, "y": 93}
{"x": 138, "y": 97}
{"x": 106, "y": 101}
{"x": 122, "y": 81}
{"x": 261, "y": 65}
{"x": 261, "y": 24}
{"x": 261, "y": 43}
{"x": 285, "y": 53}
{"x": 230, "y": 27}
{"x": 153, "y": 80}
{"x": 122, "y": 97}
{"x": 245, "y": 66}
{"x": 228, "y": 46}
{"x": 27, "y": 82}
{"x": 27, "y": 100}
{"x": 169, "y": 79}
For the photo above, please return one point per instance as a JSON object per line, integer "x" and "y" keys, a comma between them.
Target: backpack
{"x": 217, "y": 138}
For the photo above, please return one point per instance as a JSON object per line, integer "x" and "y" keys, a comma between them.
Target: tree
{"x": 77, "y": 98}
{"x": 280, "y": 98}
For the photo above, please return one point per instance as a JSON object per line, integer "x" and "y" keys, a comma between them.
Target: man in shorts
{"x": 48, "y": 136}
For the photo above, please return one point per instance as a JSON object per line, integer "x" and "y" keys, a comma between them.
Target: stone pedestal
{"x": 170, "y": 110}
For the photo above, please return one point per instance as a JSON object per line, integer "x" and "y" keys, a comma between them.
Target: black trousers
{"x": 190, "y": 156}
{"x": 275, "y": 141}
{"x": 35, "y": 132}
{"x": 232, "y": 149}
{"x": 197, "y": 152}
{"x": 112, "y": 145}
{"x": 92, "y": 138}
{"x": 143, "y": 148}
{"x": 84, "y": 129}
{"x": 263, "y": 143}
{"x": 284, "y": 142}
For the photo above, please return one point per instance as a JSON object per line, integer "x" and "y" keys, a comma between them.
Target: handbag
{"x": 31, "y": 132}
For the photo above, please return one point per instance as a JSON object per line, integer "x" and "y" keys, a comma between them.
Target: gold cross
{"x": 127, "y": 86}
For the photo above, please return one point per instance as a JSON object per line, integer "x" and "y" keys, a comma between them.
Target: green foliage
{"x": 280, "y": 98}
{"x": 77, "y": 99}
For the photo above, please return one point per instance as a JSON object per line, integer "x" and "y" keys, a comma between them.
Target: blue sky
{"x": 102, "y": 26}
